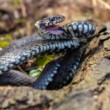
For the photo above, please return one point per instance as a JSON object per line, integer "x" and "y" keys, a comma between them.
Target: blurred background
{"x": 17, "y": 17}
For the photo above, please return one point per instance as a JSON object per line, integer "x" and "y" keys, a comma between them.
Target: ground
{"x": 90, "y": 88}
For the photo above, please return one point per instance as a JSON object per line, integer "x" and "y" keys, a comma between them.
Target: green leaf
{"x": 8, "y": 37}
{"x": 5, "y": 40}
{"x": 42, "y": 61}
{"x": 35, "y": 72}
{"x": 4, "y": 44}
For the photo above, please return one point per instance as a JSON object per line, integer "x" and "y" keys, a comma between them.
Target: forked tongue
{"x": 55, "y": 29}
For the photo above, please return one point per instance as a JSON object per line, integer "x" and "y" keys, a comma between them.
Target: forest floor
{"x": 90, "y": 88}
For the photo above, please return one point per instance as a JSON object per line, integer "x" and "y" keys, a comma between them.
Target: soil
{"x": 90, "y": 88}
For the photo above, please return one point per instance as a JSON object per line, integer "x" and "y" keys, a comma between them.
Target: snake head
{"x": 48, "y": 25}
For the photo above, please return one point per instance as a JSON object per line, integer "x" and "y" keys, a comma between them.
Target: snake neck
{"x": 81, "y": 30}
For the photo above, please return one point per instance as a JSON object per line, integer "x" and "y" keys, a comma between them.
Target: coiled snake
{"x": 51, "y": 38}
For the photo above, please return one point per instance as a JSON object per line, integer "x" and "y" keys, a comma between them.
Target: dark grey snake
{"x": 51, "y": 38}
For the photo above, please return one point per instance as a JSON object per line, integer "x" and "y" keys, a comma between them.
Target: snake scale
{"x": 50, "y": 39}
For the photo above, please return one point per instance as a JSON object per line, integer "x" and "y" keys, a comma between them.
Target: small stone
{"x": 103, "y": 37}
{"x": 107, "y": 44}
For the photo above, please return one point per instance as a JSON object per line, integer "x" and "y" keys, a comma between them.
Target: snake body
{"x": 67, "y": 39}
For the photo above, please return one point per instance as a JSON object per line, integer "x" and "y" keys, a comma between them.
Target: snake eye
{"x": 52, "y": 19}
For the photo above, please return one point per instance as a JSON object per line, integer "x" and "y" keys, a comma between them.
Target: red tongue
{"x": 54, "y": 30}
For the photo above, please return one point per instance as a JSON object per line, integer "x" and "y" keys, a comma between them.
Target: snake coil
{"x": 52, "y": 38}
